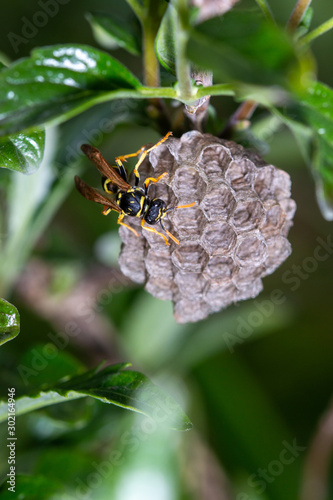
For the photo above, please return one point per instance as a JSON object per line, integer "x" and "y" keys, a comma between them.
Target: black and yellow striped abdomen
{"x": 134, "y": 202}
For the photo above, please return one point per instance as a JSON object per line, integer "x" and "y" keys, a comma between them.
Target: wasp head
{"x": 156, "y": 211}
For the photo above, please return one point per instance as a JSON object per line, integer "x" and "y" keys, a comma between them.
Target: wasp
{"x": 127, "y": 200}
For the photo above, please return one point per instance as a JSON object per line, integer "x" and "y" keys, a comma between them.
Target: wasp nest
{"x": 233, "y": 236}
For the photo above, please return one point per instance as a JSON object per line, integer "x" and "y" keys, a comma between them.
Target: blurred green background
{"x": 245, "y": 403}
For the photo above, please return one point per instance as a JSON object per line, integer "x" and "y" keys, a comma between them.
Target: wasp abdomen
{"x": 132, "y": 202}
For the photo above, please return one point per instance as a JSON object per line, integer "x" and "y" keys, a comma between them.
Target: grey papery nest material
{"x": 235, "y": 234}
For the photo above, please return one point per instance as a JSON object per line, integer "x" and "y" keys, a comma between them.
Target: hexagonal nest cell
{"x": 234, "y": 235}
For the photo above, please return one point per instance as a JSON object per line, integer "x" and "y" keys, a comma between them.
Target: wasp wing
{"x": 95, "y": 156}
{"x": 93, "y": 195}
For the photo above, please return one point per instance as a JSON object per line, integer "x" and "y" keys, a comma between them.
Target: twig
{"x": 297, "y": 15}
{"x": 243, "y": 112}
{"x": 323, "y": 28}
{"x": 247, "y": 108}
{"x": 317, "y": 463}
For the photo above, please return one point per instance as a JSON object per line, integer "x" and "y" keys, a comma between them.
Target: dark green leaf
{"x": 32, "y": 488}
{"x": 165, "y": 40}
{"x": 242, "y": 45}
{"x": 99, "y": 123}
{"x": 56, "y": 83}
{"x": 112, "y": 32}
{"x": 126, "y": 388}
{"x": 317, "y": 106}
{"x": 9, "y": 321}
{"x": 22, "y": 152}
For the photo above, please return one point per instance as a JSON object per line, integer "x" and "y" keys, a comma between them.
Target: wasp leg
{"x": 119, "y": 221}
{"x": 106, "y": 210}
{"x": 169, "y": 234}
{"x": 144, "y": 154}
{"x": 120, "y": 159}
{"x": 153, "y": 230}
{"x": 152, "y": 179}
{"x": 122, "y": 171}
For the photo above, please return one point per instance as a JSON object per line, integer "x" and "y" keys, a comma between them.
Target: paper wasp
{"x": 128, "y": 200}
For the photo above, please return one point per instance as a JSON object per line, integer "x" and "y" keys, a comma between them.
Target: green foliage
{"x": 126, "y": 388}
{"x": 9, "y": 321}
{"x": 243, "y": 46}
{"x": 32, "y": 487}
{"x": 317, "y": 106}
{"x": 22, "y": 152}
{"x": 56, "y": 83}
{"x": 113, "y": 32}
{"x": 242, "y": 401}
{"x": 165, "y": 43}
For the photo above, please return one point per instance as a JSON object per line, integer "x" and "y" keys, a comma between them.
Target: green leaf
{"x": 305, "y": 23}
{"x": 23, "y": 152}
{"x": 165, "y": 45}
{"x": 33, "y": 488}
{"x": 112, "y": 32}
{"x": 9, "y": 321}
{"x": 56, "y": 83}
{"x": 128, "y": 389}
{"x": 242, "y": 45}
{"x": 317, "y": 107}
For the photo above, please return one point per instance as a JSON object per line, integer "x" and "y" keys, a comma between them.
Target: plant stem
{"x": 316, "y": 476}
{"x": 218, "y": 89}
{"x": 243, "y": 112}
{"x": 183, "y": 69}
{"x": 247, "y": 108}
{"x": 266, "y": 9}
{"x": 323, "y": 28}
{"x": 151, "y": 70}
{"x": 297, "y": 15}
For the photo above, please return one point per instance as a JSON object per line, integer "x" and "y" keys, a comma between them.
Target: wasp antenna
{"x": 181, "y": 206}
{"x": 169, "y": 234}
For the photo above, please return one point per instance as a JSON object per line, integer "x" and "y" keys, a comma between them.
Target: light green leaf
{"x": 56, "y": 83}
{"x": 242, "y": 45}
{"x": 22, "y": 152}
{"x": 165, "y": 40}
{"x": 9, "y": 321}
{"x": 126, "y": 388}
{"x": 317, "y": 107}
{"x": 112, "y": 32}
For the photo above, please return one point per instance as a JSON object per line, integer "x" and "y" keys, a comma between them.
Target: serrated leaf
{"x": 23, "y": 152}
{"x": 317, "y": 106}
{"x": 56, "y": 83}
{"x": 126, "y": 388}
{"x": 9, "y": 321}
{"x": 242, "y": 45}
{"x": 112, "y": 32}
{"x": 165, "y": 40}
